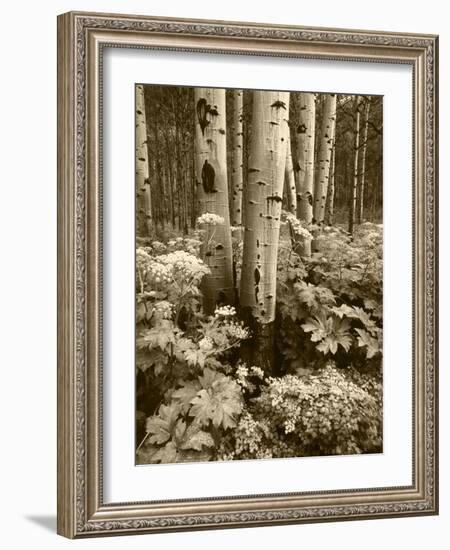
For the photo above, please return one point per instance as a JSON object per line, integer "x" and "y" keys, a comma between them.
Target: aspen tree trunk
{"x": 304, "y": 162}
{"x": 331, "y": 190}
{"x": 262, "y": 210}
{"x": 352, "y": 211}
{"x": 289, "y": 178}
{"x": 212, "y": 194}
{"x": 143, "y": 192}
{"x": 326, "y": 140}
{"x": 363, "y": 161}
{"x": 159, "y": 187}
{"x": 237, "y": 180}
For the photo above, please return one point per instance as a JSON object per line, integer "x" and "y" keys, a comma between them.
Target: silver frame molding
{"x": 81, "y": 510}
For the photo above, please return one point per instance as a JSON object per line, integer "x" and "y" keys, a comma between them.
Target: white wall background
{"x": 28, "y": 272}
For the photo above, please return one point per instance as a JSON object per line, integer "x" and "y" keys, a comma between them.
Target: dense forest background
{"x": 258, "y": 274}
{"x": 170, "y": 140}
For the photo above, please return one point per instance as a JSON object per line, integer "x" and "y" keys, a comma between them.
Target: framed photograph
{"x": 247, "y": 276}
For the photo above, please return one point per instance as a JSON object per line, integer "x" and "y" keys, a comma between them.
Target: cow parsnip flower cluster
{"x": 158, "y": 247}
{"x": 299, "y": 230}
{"x": 248, "y": 377}
{"x": 221, "y": 333}
{"x": 225, "y": 311}
{"x": 167, "y": 284}
{"x": 164, "y": 309}
{"x": 183, "y": 266}
{"x": 206, "y": 344}
{"x": 210, "y": 219}
{"x": 236, "y": 331}
{"x": 189, "y": 244}
{"x": 174, "y": 273}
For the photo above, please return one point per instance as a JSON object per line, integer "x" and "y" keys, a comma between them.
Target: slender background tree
{"x": 144, "y": 220}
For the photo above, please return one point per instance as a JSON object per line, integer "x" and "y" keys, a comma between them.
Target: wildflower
{"x": 206, "y": 344}
{"x": 210, "y": 219}
{"x": 297, "y": 227}
{"x": 164, "y": 309}
{"x": 158, "y": 246}
{"x": 237, "y": 331}
{"x": 224, "y": 311}
{"x": 257, "y": 371}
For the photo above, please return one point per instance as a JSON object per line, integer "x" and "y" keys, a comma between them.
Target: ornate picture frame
{"x": 82, "y": 38}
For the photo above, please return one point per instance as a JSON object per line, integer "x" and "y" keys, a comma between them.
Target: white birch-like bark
{"x": 237, "y": 181}
{"x": 327, "y": 132}
{"x": 263, "y": 199}
{"x": 363, "y": 161}
{"x": 289, "y": 178}
{"x": 304, "y": 163}
{"x": 212, "y": 195}
{"x": 355, "y": 169}
{"x": 143, "y": 191}
{"x": 330, "y": 197}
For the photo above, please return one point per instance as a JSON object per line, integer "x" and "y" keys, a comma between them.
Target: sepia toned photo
{"x": 259, "y": 274}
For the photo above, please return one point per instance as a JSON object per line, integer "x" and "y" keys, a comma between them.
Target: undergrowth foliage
{"x": 197, "y": 399}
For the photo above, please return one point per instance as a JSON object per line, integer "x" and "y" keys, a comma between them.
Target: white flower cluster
{"x": 210, "y": 219}
{"x": 160, "y": 273}
{"x": 243, "y": 372}
{"x": 142, "y": 258}
{"x": 257, "y": 371}
{"x": 206, "y": 344}
{"x": 188, "y": 244}
{"x": 237, "y": 331}
{"x": 297, "y": 227}
{"x": 164, "y": 309}
{"x": 192, "y": 246}
{"x": 175, "y": 242}
{"x": 158, "y": 247}
{"x": 225, "y": 311}
{"x": 183, "y": 265}
{"x": 167, "y": 268}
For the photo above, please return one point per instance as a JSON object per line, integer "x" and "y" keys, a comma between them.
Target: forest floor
{"x": 198, "y": 399}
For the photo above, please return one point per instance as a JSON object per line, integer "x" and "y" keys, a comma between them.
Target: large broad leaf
{"x": 365, "y": 318}
{"x": 161, "y": 426}
{"x": 185, "y": 443}
{"x": 155, "y": 358}
{"x": 195, "y": 357}
{"x": 186, "y": 394}
{"x": 146, "y": 454}
{"x": 203, "y": 407}
{"x": 318, "y": 328}
{"x": 196, "y": 439}
{"x": 220, "y": 400}
{"x": 182, "y": 346}
{"x": 306, "y": 293}
{"x": 343, "y": 311}
{"x": 166, "y": 454}
{"x": 372, "y": 344}
{"x": 330, "y": 343}
{"x": 141, "y": 312}
{"x": 160, "y": 336}
{"x": 330, "y": 332}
